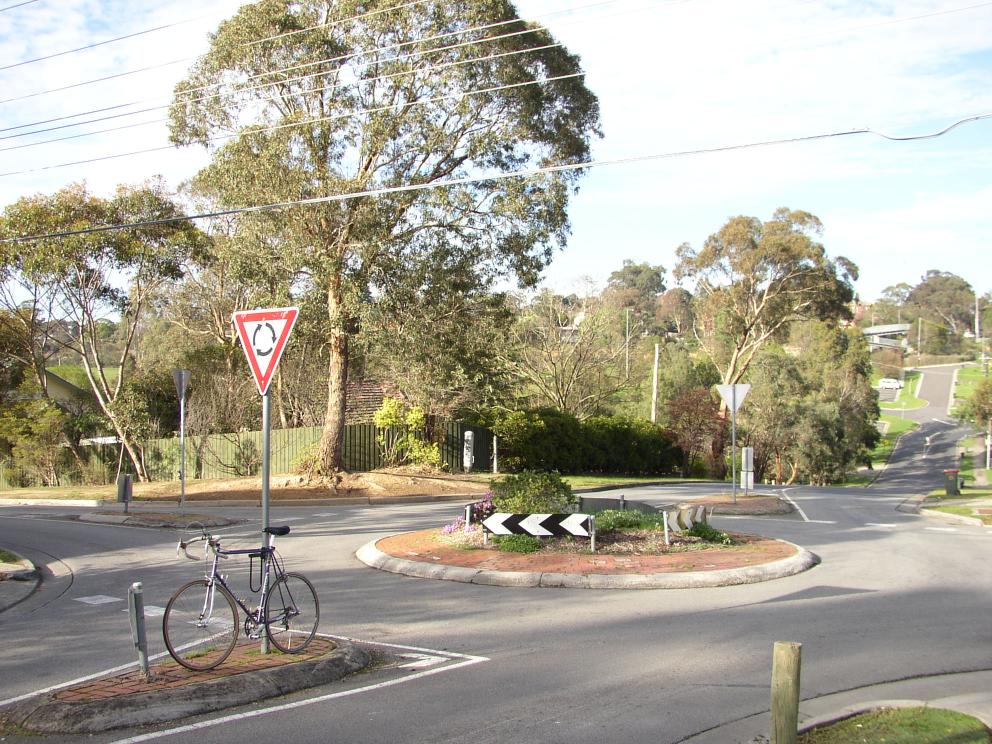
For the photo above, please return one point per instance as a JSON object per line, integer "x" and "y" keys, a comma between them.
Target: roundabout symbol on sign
{"x": 260, "y": 349}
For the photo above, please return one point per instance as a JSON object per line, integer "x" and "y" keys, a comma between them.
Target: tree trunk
{"x": 328, "y": 458}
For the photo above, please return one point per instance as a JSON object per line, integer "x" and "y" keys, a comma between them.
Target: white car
{"x": 889, "y": 383}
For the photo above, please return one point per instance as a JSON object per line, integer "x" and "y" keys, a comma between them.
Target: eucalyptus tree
{"x": 567, "y": 356}
{"x": 754, "y": 279}
{"x": 77, "y": 280}
{"x": 407, "y": 105}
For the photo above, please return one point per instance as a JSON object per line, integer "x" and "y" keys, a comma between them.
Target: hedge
{"x": 549, "y": 440}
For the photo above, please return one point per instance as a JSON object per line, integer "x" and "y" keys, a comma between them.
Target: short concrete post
{"x": 786, "y": 663}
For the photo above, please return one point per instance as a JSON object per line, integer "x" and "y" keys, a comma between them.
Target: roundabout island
{"x": 631, "y": 558}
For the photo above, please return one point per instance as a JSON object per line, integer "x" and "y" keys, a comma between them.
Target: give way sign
{"x": 263, "y": 335}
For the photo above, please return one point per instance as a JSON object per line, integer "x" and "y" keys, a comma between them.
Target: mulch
{"x": 167, "y": 674}
{"x": 424, "y": 546}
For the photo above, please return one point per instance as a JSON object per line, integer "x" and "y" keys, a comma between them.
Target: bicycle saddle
{"x": 277, "y": 531}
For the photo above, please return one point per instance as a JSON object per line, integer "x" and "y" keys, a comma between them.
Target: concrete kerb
{"x": 953, "y": 518}
{"x": 18, "y": 581}
{"x": 802, "y": 560}
{"x": 853, "y": 710}
{"x": 51, "y": 716}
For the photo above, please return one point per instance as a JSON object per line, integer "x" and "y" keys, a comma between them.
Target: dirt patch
{"x": 425, "y": 547}
{"x": 397, "y": 482}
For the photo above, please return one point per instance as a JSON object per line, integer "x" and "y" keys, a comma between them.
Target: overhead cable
{"x": 99, "y": 43}
{"x": 291, "y": 125}
{"x": 187, "y": 59}
{"x": 525, "y": 173}
{"x": 281, "y": 82}
{"x": 326, "y": 88}
{"x": 17, "y": 5}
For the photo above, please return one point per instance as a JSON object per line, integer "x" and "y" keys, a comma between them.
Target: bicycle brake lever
{"x": 182, "y": 547}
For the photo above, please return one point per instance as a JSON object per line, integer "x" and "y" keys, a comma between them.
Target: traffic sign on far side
{"x": 263, "y": 335}
{"x": 733, "y": 395}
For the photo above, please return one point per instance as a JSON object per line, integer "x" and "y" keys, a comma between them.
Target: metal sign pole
{"x": 182, "y": 451}
{"x": 733, "y": 439}
{"x": 181, "y": 378}
{"x": 266, "y": 425}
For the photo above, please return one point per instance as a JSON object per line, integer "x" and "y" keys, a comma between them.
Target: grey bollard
{"x": 136, "y": 612}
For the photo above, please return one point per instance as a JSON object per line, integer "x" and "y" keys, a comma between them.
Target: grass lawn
{"x": 902, "y": 726}
{"x": 906, "y": 399}
{"x": 963, "y": 511}
{"x": 968, "y": 379}
{"x": 6, "y": 557}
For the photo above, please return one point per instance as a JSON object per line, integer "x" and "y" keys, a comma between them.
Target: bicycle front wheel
{"x": 200, "y": 625}
{"x": 291, "y": 613}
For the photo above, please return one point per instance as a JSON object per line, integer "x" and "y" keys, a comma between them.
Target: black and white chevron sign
{"x": 538, "y": 525}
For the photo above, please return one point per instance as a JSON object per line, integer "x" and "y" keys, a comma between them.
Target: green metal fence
{"x": 240, "y": 454}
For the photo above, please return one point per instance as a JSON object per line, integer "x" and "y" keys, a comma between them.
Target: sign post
{"x": 181, "y": 378}
{"x": 263, "y": 335}
{"x": 733, "y": 396}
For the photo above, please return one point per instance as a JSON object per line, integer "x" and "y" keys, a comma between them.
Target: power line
{"x": 282, "y": 82}
{"x": 187, "y": 59}
{"x": 526, "y": 173}
{"x": 318, "y": 120}
{"x": 197, "y": 18}
{"x": 432, "y": 68}
{"x": 17, "y": 5}
{"x": 100, "y": 43}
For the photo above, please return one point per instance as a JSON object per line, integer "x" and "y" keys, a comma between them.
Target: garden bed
{"x": 618, "y": 553}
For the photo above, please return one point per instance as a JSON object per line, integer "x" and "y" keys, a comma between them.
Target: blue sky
{"x": 671, "y": 76}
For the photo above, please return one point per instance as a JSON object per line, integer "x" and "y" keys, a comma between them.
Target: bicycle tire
{"x": 292, "y": 612}
{"x": 200, "y": 644}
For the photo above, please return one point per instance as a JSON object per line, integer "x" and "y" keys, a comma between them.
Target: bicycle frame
{"x": 214, "y": 577}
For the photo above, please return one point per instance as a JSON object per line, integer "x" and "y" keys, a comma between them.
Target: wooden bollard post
{"x": 786, "y": 663}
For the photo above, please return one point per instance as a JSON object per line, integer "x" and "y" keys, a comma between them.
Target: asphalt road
{"x": 897, "y": 595}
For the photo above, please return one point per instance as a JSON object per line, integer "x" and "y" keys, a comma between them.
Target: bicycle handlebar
{"x": 212, "y": 543}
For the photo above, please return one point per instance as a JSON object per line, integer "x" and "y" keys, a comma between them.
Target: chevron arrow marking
{"x": 531, "y": 524}
{"x": 494, "y": 524}
{"x": 576, "y": 524}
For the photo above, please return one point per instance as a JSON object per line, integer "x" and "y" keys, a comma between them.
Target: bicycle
{"x": 201, "y": 625}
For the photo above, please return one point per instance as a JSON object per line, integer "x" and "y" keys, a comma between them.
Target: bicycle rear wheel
{"x": 291, "y": 613}
{"x": 200, "y": 625}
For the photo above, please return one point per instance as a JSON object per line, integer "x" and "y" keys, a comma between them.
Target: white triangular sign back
{"x": 731, "y": 397}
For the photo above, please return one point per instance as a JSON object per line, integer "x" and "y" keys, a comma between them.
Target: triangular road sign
{"x": 263, "y": 335}
{"x": 733, "y": 395}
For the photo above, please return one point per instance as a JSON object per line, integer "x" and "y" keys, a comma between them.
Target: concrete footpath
{"x": 966, "y": 692}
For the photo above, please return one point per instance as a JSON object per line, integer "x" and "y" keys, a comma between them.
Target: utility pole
{"x": 627, "y": 345}
{"x": 654, "y": 386}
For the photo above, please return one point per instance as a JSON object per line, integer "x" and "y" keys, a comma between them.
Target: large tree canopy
{"x": 66, "y": 287}
{"x": 315, "y": 99}
{"x": 754, "y": 278}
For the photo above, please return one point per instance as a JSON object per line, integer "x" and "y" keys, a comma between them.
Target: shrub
{"x": 610, "y": 520}
{"x": 517, "y": 543}
{"x": 484, "y": 508}
{"x": 551, "y": 440}
{"x": 710, "y": 534}
{"x": 533, "y": 493}
{"x": 402, "y": 438}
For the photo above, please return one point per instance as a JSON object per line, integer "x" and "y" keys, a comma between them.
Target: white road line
{"x": 879, "y": 524}
{"x": 466, "y": 661}
{"x": 941, "y": 529}
{"x": 97, "y": 599}
{"x": 798, "y": 508}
